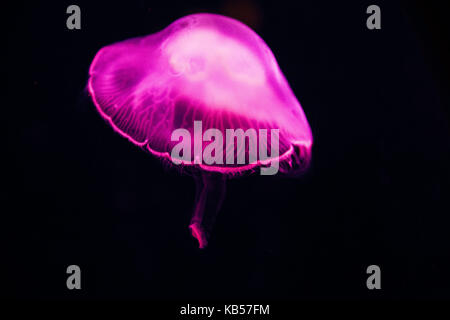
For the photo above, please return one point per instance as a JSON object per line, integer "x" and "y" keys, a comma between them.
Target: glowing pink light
{"x": 208, "y": 68}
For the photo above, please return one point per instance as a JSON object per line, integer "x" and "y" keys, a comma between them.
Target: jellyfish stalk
{"x": 210, "y": 192}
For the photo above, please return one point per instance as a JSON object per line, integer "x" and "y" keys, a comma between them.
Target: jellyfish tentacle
{"x": 210, "y": 192}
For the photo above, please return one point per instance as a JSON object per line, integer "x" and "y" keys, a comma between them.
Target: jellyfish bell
{"x": 212, "y": 70}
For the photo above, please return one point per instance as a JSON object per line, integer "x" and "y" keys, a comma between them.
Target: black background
{"x": 377, "y": 191}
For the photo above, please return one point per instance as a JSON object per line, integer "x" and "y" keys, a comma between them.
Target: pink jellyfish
{"x": 205, "y": 95}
